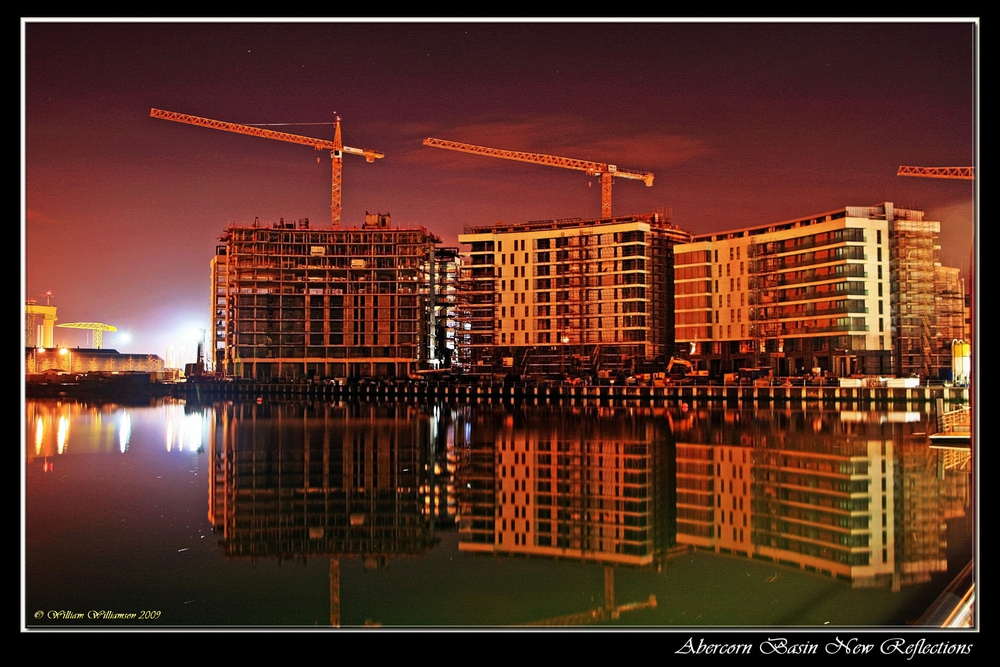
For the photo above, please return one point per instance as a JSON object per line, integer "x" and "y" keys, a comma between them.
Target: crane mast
{"x": 606, "y": 171}
{"x": 963, "y": 173}
{"x": 336, "y": 147}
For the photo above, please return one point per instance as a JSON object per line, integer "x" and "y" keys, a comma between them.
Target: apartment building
{"x": 850, "y": 291}
{"x": 554, "y": 297}
{"x": 291, "y": 301}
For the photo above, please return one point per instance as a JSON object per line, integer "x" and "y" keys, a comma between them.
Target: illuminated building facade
{"x": 567, "y": 296}
{"x": 290, "y": 301}
{"x": 88, "y": 360}
{"x": 851, "y": 291}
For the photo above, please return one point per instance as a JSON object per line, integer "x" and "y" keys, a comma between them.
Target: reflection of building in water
{"x": 568, "y": 484}
{"x": 855, "y": 499}
{"x": 294, "y": 480}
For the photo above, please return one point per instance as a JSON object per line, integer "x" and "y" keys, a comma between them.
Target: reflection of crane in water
{"x": 609, "y": 611}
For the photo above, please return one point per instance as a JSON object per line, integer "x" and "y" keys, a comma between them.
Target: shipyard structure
{"x": 854, "y": 291}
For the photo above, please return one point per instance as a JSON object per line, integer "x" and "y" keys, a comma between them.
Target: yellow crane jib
{"x": 604, "y": 170}
{"x": 96, "y": 328}
{"x": 336, "y": 147}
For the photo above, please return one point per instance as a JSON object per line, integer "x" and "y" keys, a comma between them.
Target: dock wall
{"x": 779, "y": 395}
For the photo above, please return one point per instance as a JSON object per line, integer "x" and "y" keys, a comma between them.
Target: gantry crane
{"x": 97, "y": 328}
{"x": 963, "y": 173}
{"x": 605, "y": 171}
{"x": 336, "y": 147}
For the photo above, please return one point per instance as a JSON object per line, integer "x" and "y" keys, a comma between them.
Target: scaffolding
{"x": 293, "y": 302}
{"x": 913, "y": 254}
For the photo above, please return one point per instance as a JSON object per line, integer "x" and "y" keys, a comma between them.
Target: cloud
{"x": 562, "y": 136}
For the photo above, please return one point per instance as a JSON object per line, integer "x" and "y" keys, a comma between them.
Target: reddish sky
{"x": 742, "y": 123}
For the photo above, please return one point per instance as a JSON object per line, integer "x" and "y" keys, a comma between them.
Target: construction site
{"x": 853, "y": 291}
{"x": 296, "y": 302}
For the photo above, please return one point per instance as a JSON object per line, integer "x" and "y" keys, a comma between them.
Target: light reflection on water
{"x": 489, "y": 514}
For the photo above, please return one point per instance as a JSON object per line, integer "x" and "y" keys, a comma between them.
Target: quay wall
{"x": 610, "y": 394}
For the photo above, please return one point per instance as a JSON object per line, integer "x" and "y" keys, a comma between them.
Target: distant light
{"x": 194, "y": 335}
{"x": 124, "y": 337}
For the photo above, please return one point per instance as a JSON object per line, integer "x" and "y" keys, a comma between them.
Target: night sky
{"x": 742, "y": 123}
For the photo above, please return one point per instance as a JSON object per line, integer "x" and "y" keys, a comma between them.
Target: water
{"x": 288, "y": 514}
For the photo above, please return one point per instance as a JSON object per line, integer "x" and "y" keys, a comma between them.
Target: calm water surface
{"x": 399, "y": 515}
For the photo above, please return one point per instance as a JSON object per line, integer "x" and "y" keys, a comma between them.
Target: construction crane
{"x": 97, "y": 328}
{"x": 605, "y": 171}
{"x": 963, "y": 173}
{"x": 336, "y": 147}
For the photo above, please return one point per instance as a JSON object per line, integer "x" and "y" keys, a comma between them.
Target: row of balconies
{"x": 831, "y": 273}
{"x": 849, "y": 235}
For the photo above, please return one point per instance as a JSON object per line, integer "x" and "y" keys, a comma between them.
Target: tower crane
{"x": 963, "y": 173}
{"x": 605, "y": 171}
{"x": 336, "y": 147}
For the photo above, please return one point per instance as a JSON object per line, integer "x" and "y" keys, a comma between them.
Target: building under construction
{"x": 567, "y": 297}
{"x": 295, "y": 302}
{"x": 928, "y": 301}
{"x": 852, "y": 291}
